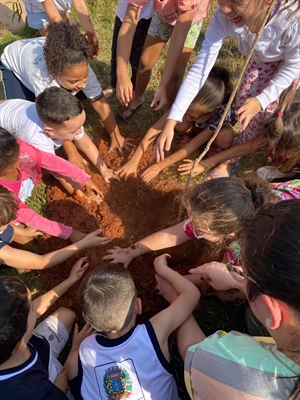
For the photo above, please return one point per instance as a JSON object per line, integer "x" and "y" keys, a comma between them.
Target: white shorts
{"x": 56, "y": 334}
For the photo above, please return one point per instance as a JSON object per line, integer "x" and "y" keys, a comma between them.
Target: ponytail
{"x": 282, "y": 132}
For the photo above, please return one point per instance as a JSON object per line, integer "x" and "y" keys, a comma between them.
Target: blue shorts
{"x": 38, "y": 20}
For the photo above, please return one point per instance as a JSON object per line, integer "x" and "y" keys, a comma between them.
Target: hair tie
{"x": 280, "y": 114}
{"x": 253, "y": 195}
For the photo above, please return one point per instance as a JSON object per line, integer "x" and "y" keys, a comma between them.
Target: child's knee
{"x": 66, "y": 317}
{"x": 225, "y": 138}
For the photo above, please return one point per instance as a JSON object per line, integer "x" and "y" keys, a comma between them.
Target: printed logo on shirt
{"x": 119, "y": 380}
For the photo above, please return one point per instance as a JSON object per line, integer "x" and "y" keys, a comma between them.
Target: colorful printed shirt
{"x": 213, "y": 121}
{"x": 237, "y": 366}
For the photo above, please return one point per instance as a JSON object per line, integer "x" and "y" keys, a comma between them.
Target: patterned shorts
{"x": 163, "y": 31}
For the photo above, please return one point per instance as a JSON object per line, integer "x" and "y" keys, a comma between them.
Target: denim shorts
{"x": 38, "y": 20}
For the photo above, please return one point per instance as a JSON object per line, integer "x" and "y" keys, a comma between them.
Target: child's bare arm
{"x": 180, "y": 309}
{"x": 43, "y": 302}
{"x": 131, "y": 166}
{"x": 166, "y": 238}
{"x": 90, "y": 150}
{"x": 72, "y": 361}
{"x": 85, "y": 19}
{"x": 124, "y": 87}
{"x": 51, "y": 11}
{"x": 188, "y": 334}
{"x": 104, "y": 111}
{"x": 180, "y": 154}
{"x": 225, "y": 155}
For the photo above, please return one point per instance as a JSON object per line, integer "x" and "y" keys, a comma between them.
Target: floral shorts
{"x": 163, "y": 31}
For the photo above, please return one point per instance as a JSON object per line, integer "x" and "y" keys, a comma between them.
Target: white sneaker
{"x": 271, "y": 173}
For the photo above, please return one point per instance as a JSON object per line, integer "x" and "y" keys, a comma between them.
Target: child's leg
{"x": 137, "y": 47}
{"x": 158, "y": 35}
{"x": 113, "y": 61}
{"x": 56, "y": 329}
{"x": 225, "y": 138}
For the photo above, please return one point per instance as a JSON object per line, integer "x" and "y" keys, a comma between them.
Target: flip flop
{"x": 122, "y": 118}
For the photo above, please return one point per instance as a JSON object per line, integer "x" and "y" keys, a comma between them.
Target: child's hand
{"x": 93, "y": 240}
{"x": 30, "y": 232}
{"x": 94, "y": 194}
{"x": 160, "y": 263}
{"x": 93, "y": 43}
{"x": 130, "y": 168}
{"x": 77, "y": 235}
{"x": 247, "y": 111}
{"x": 185, "y": 168}
{"x": 151, "y": 173}
{"x": 120, "y": 143}
{"x": 124, "y": 90}
{"x": 79, "y": 336}
{"x": 78, "y": 270}
{"x": 109, "y": 174}
{"x": 216, "y": 275}
{"x": 166, "y": 289}
{"x": 160, "y": 99}
{"x": 163, "y": 143}
{"x": 119, "y": 255}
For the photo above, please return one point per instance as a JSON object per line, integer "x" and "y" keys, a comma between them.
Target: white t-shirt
{"x": 280, "y": 40}
{"x": 26, "y": 59}
{"x": 36, "y": 6}
{"x": 19, "y": 117}
{"x": 146, "y": 12}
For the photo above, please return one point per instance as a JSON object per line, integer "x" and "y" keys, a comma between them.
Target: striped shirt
{"x": 237, "y": 366}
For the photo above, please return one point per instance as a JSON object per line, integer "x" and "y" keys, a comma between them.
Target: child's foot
{"x": 270, "y": 173}
{"x": 222, "y": 170}
{"x": 108, "y": 92}
{"x": 151, "y": 173}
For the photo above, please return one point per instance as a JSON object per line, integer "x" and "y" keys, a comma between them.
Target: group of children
{"x": 257, "y": 223}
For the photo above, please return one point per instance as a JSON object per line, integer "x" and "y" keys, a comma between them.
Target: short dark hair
{"x": 56, "y": 105}
{"x": 107, "y": 296}
{"x": 9, "y": 149}
{"x": 14, "y": 310}
{"x": 8, "y": 206}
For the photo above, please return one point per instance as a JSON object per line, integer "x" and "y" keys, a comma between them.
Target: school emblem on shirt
{"x": 117, "y": 383}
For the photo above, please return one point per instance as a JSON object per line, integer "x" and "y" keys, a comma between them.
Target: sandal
{"x": 216, "y": 175}
{"x": 130, "y": 111}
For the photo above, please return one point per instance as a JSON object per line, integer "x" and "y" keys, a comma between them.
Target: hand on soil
{"x": 93, "y": 240}
{"x": 165, "y": 289}
{"x": 216, "y": 275}
{"x": 31, "y": 232}
{"x": 93, "y": 43}
{"x": 94, "y": 194}
{"x": 130, "y": 168}
{"x": 79, "y": 336}
{"x": 76, "y": 235}
{"x": 109, "y": 174}
{"x": 119, "y": 255}
{"x": 121, "y": 144}
{"x": 151, "y": 173}
{"x": 185, "y": 168}
{"x": 78, "y": 270}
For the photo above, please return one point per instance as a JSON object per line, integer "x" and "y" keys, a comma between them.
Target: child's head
{"x": 282, "y": 132}
{"x": 14, "y": 314}
{"x": 244, "y": 12}
{"x": 108, "y": 298}
{"x": 9, "y": 152}
{"x": 215, "y": 91}
{"x": 67, "y": 54}
{"x": 61, "y": 113}
{"x": 8, "y": 207}
{"x": 221, "y": 207}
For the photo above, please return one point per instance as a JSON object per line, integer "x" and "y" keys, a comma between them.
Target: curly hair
{"x": 65, "y": 47}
